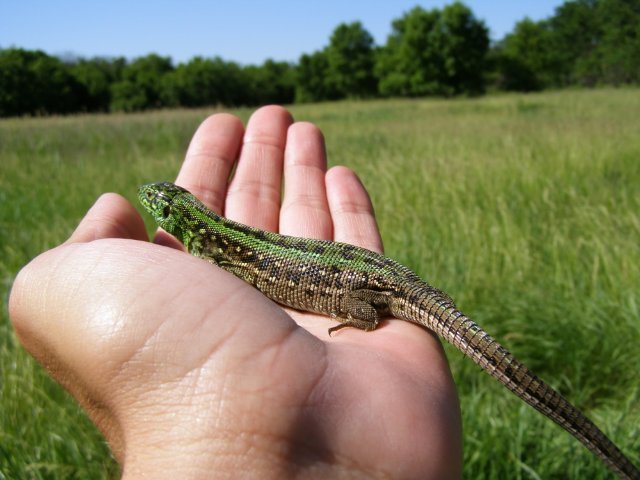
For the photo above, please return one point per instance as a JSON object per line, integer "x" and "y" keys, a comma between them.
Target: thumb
{"x": 111, "y": 216}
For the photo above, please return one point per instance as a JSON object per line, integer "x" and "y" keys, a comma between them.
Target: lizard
{"x": 360, "y": 287}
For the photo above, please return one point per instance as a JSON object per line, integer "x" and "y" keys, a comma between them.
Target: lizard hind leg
{"x": 364, "y": 308}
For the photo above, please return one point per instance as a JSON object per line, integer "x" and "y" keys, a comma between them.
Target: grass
{"x": 523, "y": 207}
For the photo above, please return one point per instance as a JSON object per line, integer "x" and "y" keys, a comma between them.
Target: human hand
{"x": 191, "y": 373}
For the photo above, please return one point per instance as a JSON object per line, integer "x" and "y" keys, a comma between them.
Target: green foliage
{"x": 407, "y": 63}
{"x": 97, "y": 75}
{"x": 434, "y": 52}
{"x": 527, "y": 59}
{"x": 577, "y": 33}
{"x": 465, "y": 43}
{"x": 142, "y": 84}
{"x": 598, "y": 41}
{"x": 203, "y": 82}
{"x": 272, "y": 82}
{"x": 523, "y": 207}
{"x": 344, "y": 69}
{"x": 350, "y": 57}
{"x": 314, "y": 82}
{"x": 442, "y": 52}
{"x": 32, "y": 82}
{"x": 619, "y": 50}
{"x": 586, "y": 42}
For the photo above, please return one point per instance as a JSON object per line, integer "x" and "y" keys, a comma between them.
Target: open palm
{"x": 190, "y": 372}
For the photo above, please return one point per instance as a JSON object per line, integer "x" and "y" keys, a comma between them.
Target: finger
{"x": 253, "y": 196}
{"x": 305, "y": 211}
{"x": 351, "y": 209}
{"x": 210, "y": 158}
{"x": 111, "y": 216}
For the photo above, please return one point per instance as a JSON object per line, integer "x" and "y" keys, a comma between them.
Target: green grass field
{"x": 525, "y": 208}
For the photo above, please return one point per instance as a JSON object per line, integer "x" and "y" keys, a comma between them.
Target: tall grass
{"x": 523, "y": 207}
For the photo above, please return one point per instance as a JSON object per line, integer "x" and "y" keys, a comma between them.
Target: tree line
{"x": 442, "y": 52}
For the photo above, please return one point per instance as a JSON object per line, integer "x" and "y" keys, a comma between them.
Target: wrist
{"x": 232, "y": 458}
{"x": 225, "y": 453}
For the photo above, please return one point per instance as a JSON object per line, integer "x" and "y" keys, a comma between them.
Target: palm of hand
{"x": 224, "y": 373}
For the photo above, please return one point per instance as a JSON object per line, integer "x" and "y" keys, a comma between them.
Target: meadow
{"x": 525, "y": 208}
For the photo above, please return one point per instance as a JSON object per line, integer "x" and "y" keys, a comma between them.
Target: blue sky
{"x": 246, "y": 31}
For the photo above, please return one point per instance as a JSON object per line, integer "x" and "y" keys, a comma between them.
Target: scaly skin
{"x": 359, "y": 287}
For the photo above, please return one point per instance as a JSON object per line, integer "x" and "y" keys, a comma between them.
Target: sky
{"x": 245, "y": 31}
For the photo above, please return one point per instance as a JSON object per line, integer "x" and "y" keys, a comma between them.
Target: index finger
{"x": 212, "y": 153}
{"x": 210, "y": 158}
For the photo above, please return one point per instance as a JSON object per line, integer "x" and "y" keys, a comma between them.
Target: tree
{"x": 205, "y": 81}
{"x": 526, "y": 58}
{"x": 32, "y": 82}
{"x": 350, "y": 57}
{"x": 576, "y": 33}
{"x": 465, "y": 43}
{"x": 271, "y": 82}
{"x": 434, "y": 52}
{"x": 597, "y": 41}
{"x": 142, "y": 84}
{"x": 619, "y": 48}
{"x": 586, "y": 42}
{"x": 313, "y": 79}
{"x": 16, "y": 83}
{"x": 408, "y": 65}
{"x": 97, "y": 75}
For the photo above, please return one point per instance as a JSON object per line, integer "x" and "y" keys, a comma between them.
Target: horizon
{"x": 68, "y": 29}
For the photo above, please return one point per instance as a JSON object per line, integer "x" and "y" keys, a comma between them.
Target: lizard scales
{"x": 359, "y": 287}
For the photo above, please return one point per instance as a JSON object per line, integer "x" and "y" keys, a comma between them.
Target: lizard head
{"x": 158, "y": 199}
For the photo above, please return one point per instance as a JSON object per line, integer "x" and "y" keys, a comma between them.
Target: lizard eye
{"x": 149, "y": 195}
{"x": 166, "y": 211}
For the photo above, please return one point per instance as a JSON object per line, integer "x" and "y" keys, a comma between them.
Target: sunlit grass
{"x": 524, "y": 208}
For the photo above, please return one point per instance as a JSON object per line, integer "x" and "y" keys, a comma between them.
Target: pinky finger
{"x": 351, "y": 210}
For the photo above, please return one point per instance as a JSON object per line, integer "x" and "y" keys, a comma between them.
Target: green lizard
{"x": 359, "y": 287}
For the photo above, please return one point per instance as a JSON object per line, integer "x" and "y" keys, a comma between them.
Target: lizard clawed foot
{"x": 360, "y": 324}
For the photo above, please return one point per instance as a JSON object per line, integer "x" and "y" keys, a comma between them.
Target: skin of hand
{"x": 191, "y": 373}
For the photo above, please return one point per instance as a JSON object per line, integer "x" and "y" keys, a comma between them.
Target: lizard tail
{"x": 438, "y": 313}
